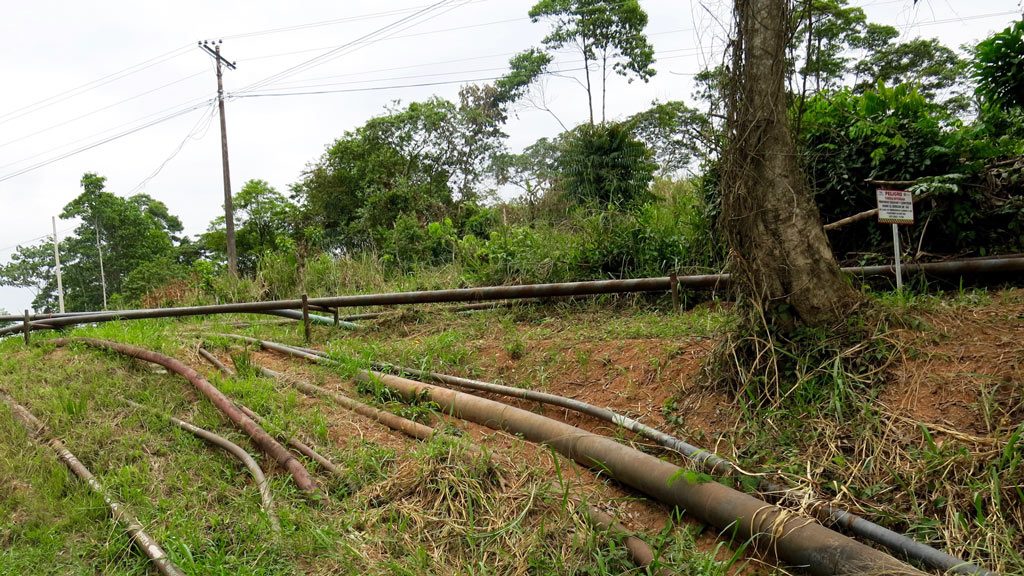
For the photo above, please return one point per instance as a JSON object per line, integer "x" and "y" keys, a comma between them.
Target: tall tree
{"x": 133, "y": 232}
{"x": 781, "y": 259}
{"x": 999, "y": 67}
{"x": 605, "y": 32}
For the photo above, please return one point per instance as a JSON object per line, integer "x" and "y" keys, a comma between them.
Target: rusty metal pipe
{"x": 299, "y": 446}
{"x": 640, "y": 552}
{"x": 797, "y": 541}
{"x": 222, "y": 402}
{"x": 710, "y": 462}
{"x": 953, "y": 267}
{"x": 38, "y": 432}
{"x": 230, "y": 447}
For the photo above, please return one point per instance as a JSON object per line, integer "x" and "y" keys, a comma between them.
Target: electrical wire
{"x": 202, "y": 99}
{"x": 339, "y": 50}
{"x": 30, "y": 240}
{"x": 88, "y": 86}
{"x": 193, "y": 134}
{"x": 331, "y": 22}
{"x": 98, "y": 110}
{"x": 90, "y": 146}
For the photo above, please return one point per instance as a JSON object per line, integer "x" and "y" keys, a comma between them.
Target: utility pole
{"x": 229, "y": 212}
{"x": 103, "y": 276}
{"x": 56, "y": 258}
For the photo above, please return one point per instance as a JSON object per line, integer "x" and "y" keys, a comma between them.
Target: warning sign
{"x": 895, "y": 207}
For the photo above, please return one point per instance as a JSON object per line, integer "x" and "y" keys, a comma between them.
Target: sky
{"x": 120, "y": 88}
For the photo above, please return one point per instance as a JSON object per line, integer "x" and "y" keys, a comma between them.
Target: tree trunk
{"x": 586, "y": 71}
{"x": 780, "y": 254}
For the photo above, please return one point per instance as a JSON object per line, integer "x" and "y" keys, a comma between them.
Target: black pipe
{"x": 504, "y": 292}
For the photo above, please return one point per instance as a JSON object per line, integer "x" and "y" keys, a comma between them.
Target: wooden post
{"x": 336, "y": 320}
{"x": 673, "y": 280}
{"x": 305, "y": 318}
{"x": 28, "y": 329}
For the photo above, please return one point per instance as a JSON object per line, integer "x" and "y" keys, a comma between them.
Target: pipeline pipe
{"x": 640, "y": 552}
{"x": 798, "y": 541}
{"x": 231, "y": 448}
{"x": 828, "y": 553}
{"x": 900, "y": 544}
{"x": 299, "y": 446}
{"x": 988, "y": 265}
{"x": 55, "y": 315}
{"x": 314, "y": 318}
{"x": 222, "y": 402}
{"x": 38, "y": 431}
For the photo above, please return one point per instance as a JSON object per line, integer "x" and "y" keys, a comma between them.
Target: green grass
{"x": 430, "y": 508}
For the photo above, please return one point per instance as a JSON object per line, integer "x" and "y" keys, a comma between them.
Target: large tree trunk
{"x": 780, "y": 254}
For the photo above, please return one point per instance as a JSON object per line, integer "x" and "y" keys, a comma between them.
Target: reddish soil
{"x": 962, "y": 373}
{"x": 965, "y": 369}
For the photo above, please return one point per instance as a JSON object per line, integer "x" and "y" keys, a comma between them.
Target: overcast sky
{"x": 77, "y": 73}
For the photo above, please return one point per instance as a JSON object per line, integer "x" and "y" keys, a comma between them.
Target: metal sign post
{"x": 895, "y": 207}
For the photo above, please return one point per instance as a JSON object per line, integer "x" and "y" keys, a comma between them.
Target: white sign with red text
{"x": 895, "y": 206}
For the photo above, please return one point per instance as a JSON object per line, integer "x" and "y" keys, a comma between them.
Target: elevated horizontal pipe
{"x": 989, "y": 265}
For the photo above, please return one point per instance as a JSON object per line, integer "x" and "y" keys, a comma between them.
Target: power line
{"x": 98, "y": 110}
{"x": 83, "y": 88}
{"x": 30, "y": 240}
{"x": 100, "y": 143}
{"x": 192, "y": 134}
{"x": 291, "y": 84}
{"x": 363, "y": 40}
{"x": 102, "y": 132}
{"x": 331, "y": 22}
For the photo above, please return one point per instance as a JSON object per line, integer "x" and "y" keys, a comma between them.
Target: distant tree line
{"x": 433, "y": 183}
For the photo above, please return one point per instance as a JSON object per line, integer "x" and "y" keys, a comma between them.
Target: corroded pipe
{"x": 638, "y": 550}
{"x": 953, "y": 267}
{"x": 37, "y": 430}
{"x": 222, "y": 402}
{"x": 231, "y": 448}
{"x": 796, "y": 540}
{"x": 903, "y": 545}
{"x": 299, "y": 446}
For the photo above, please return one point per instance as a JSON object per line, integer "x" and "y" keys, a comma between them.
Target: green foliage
{"x": 604, "y": 31}
{"x": 925, "y": 63}
{"x": 421, "y": 161}
{"x": 137, "y": 236}
{"x": 264, "y": 221}
{"x": 524, "y": 68}
{"x": 605, "y": 166}
{"x": 999, "y": 67}
{"x": 676, "y": 133}
{"x": 670, "y": 233}
{"x": 899, "y": 134}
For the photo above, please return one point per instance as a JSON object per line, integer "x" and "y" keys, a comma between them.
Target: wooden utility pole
{"x": 56, "y": 258}
{"x": 229, "y": 212}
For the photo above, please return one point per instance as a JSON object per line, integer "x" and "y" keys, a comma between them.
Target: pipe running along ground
{"x": 709, "y": 461}
{"x": 713, "y": 464}
{"x": 799, "y": 541}
{"x": 973, "y": 266}
{"x": 230, "y": 447}
{"x": 639, "y": 551}
{"x": 38, "y": 432}
{"x": 222, "y": 402}
{"x": 299, "y": 446}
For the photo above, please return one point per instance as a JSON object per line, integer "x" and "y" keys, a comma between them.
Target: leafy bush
{"x": 895, "y": 133}
{"x": 605, "y": 165}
